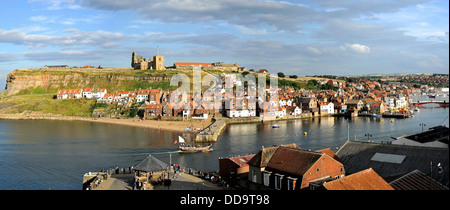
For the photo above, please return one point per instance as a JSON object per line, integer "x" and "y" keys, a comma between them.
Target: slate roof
{"x": 364, "y": 180}
{"x": 357, "y": 156}
{"x": 149, "y": 164}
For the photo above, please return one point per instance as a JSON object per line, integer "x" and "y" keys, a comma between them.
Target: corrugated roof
{"x": 364, "y": 180}
{"x": 356, "y": 156}
{"x": 416, "y": 180}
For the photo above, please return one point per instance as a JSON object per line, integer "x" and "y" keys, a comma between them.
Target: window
{"x": 278, "y": 181}
{"x": 291, "y": 183}
{"x": 266, "y": 177}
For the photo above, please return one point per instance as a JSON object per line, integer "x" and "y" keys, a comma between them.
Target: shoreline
{"x": 176, "y": 126}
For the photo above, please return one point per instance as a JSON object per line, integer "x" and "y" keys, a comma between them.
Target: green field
{"x": 46, "y": 104}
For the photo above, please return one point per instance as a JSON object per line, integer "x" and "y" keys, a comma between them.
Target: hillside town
{"x": 346, "y": 98}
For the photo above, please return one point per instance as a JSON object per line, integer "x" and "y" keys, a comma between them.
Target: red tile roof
{"x": 293, "y": 161}
{"x": 261, "y": 159}
{"x": 241, "y": 160}
{"x": 330, "y": 153}
{"x": 364, "y": 180}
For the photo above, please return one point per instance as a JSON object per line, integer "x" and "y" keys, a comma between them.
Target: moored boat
{"x": 275, "y": 126}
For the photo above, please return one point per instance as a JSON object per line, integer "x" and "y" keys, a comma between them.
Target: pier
{"x": 212, "y": 132}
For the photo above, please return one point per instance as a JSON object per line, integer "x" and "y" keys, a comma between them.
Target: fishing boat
{"x": 184, "y": 147}
{"x": 431, "y": 96}
{"x": 275, "y": 126}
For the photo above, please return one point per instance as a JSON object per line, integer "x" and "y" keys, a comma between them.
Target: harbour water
{"x": 42, "y": 155}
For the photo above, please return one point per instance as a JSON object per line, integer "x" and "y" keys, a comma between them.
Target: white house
{"x": 142, "y": 95}
{"x": 389, "y": 102}
{"x": 87, "y": 93}
{"x": 76, "y": 93}
{"x": 326, "y": 108}
{"x": 330, "y": 108}
{"x": 281, "y": 112}
{"x": 98, "y": 93}
{"x": 294, "y": 111}
{"x": 231, "y": 113}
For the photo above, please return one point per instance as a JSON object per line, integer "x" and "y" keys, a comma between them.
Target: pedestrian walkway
{"x": 117, "y": 182}
{"x": 182, "y": 181}
{"x": 188, "y": 182}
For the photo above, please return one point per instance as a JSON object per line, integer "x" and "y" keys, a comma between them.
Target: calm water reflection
{"x": 44, "y": 155}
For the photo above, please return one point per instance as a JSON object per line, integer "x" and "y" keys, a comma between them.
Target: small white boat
{"x": 275, "y": 126}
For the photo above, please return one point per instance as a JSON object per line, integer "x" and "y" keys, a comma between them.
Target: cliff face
{"x": 51, "y": 81}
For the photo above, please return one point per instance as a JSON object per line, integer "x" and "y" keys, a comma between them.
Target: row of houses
{"x": 89, "y": 93}
{"x": 355, "y": 166}
{"x": 288, "y": 102}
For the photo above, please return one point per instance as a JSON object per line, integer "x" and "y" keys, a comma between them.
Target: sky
{"x": 312, "y": 37}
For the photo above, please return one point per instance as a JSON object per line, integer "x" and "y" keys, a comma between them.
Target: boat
{"x": 416, "y": 109}
{"x": 275, "y": 126}
{"x": 431, "y": 96}
{"x": 195, "y": 148}
{"x": 192, "y": 147}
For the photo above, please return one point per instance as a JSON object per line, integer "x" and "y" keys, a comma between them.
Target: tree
{"x": 280, "y": 74}
{"x": 293, "y": 76}
{"x": 312, "y": 82}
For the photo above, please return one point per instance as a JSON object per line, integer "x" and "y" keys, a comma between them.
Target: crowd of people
{"x": 214, "y": 179}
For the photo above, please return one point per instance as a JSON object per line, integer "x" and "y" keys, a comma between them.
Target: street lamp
{"x": 438, "y": 166}
{"x": 422, "y": 124}
{"x": 368, "y": 136}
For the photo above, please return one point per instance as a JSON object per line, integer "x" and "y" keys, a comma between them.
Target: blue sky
{"x": 339, "y": 37}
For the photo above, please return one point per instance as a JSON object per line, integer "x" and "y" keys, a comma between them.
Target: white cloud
{"x": 66, "y": 22}
{"x": 72, "y": 38}
{"x": 58, "y": 4}
{"x": 42, "y": 18}
{"x": 251, "y": 31}
{"x": 358, "y": 48}
{"x": 313, "y": 50}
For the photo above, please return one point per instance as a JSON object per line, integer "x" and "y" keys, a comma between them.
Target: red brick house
{"x": 235, "y": 166}
{"x": 259, "y": 162}
{"x": 153, "y": 110}
{"x": 294, "y": 169}
{"x": 167, "y": 110}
